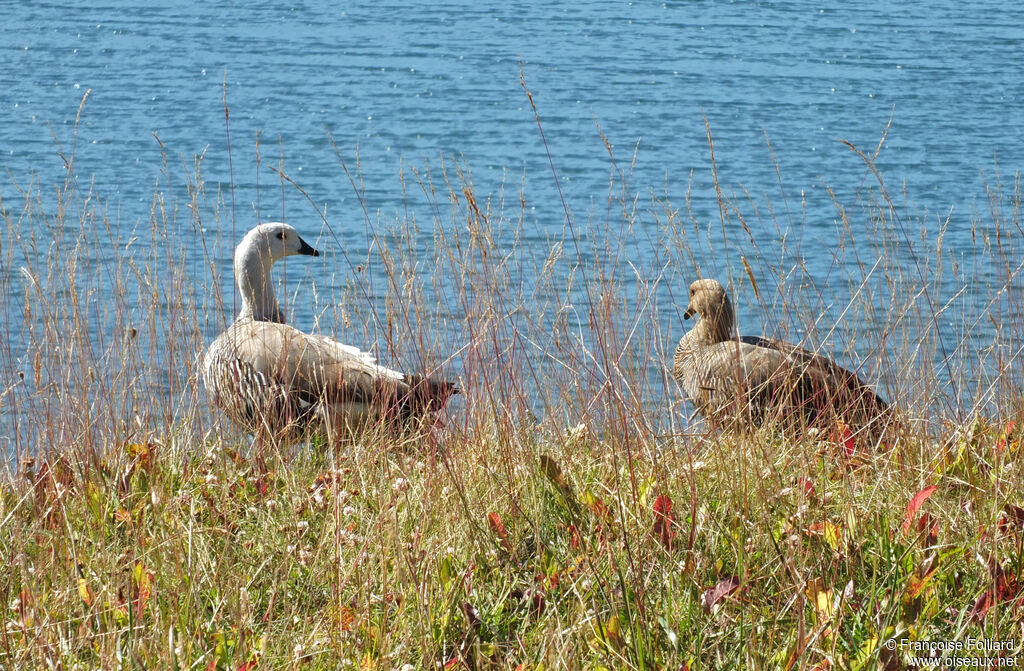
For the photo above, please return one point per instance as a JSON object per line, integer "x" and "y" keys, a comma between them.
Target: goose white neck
{"x": 252, "y": 273}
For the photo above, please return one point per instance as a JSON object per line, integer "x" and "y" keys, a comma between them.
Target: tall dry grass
{"x": 566, "y": 512}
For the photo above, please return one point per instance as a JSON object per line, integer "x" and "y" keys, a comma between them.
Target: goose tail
{"x": 428, "y": 394}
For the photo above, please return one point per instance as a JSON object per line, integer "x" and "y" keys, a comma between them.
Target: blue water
{"x": 414, "y": 80}
{"x": 402, "y": 86}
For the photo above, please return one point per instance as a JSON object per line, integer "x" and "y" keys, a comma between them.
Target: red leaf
{"x": 981, "y": 605}
{"x": 575, "y": 540}
{"x": 808, "y": 486}
{"x": 844, "y": 436}
{"x": 928, "y": 527}
{"x": 1005, "y": 439}
{"x": 722, "y": 589}
{"x": 1012, "y": 520}
{"x": 1006, "y": 589}
{"x": 248, "y": 666}
{"x": 347, "y": 618}
{"x": 212, "y": 666}
{"x": 915, "y": 505}
{"x": 145, "y": 591}
{"x": 494, "y": 521}
{"x": 664, "y": 521}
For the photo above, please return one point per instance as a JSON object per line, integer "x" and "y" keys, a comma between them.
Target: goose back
{"x": 273, "y": 379}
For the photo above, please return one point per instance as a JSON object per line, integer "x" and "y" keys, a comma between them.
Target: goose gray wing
{"x": 749, "y": 381}
{"x": 829, "y": 388}
{"x": 319, "y": 368}
{"x": 268, "y": 374}
{"x": 340, "y": 374}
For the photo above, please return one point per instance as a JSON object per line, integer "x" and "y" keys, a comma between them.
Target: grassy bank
{"x": 564, "y": 513}
{"x": 499, "y": 551}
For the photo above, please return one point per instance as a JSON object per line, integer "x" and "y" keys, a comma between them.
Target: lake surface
{"x": 396, "y": 87}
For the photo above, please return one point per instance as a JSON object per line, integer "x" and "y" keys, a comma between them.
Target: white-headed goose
{"x": 282, "y": 384}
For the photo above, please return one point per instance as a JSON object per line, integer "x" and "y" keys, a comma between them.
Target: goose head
{"x": 272, "y": 241}
{"x": 709, "y": 300}
{"x": 254, "y": 256}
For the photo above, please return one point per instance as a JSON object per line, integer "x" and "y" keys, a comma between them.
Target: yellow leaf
{"x": 608, "y": 637}
{"x": 832, "y": 534}
{"x": 821, "y": 598}
{"x": 823, "y": 604}
{"x": 84, "y": 592}
{"x": 864, "y": 654}
{"x": 612, "y": 629}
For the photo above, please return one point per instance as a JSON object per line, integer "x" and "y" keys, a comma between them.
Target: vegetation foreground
{"x": 550, "y": 553}
{"x": 562, "y": 513}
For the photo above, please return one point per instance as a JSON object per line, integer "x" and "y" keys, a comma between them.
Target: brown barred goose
{"x": 748, "y": 381}
{"x": 277, "y": 382}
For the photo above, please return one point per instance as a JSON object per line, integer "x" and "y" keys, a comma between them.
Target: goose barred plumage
{"x": 277, "y": 382}
{"x": 750, "y": 381}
